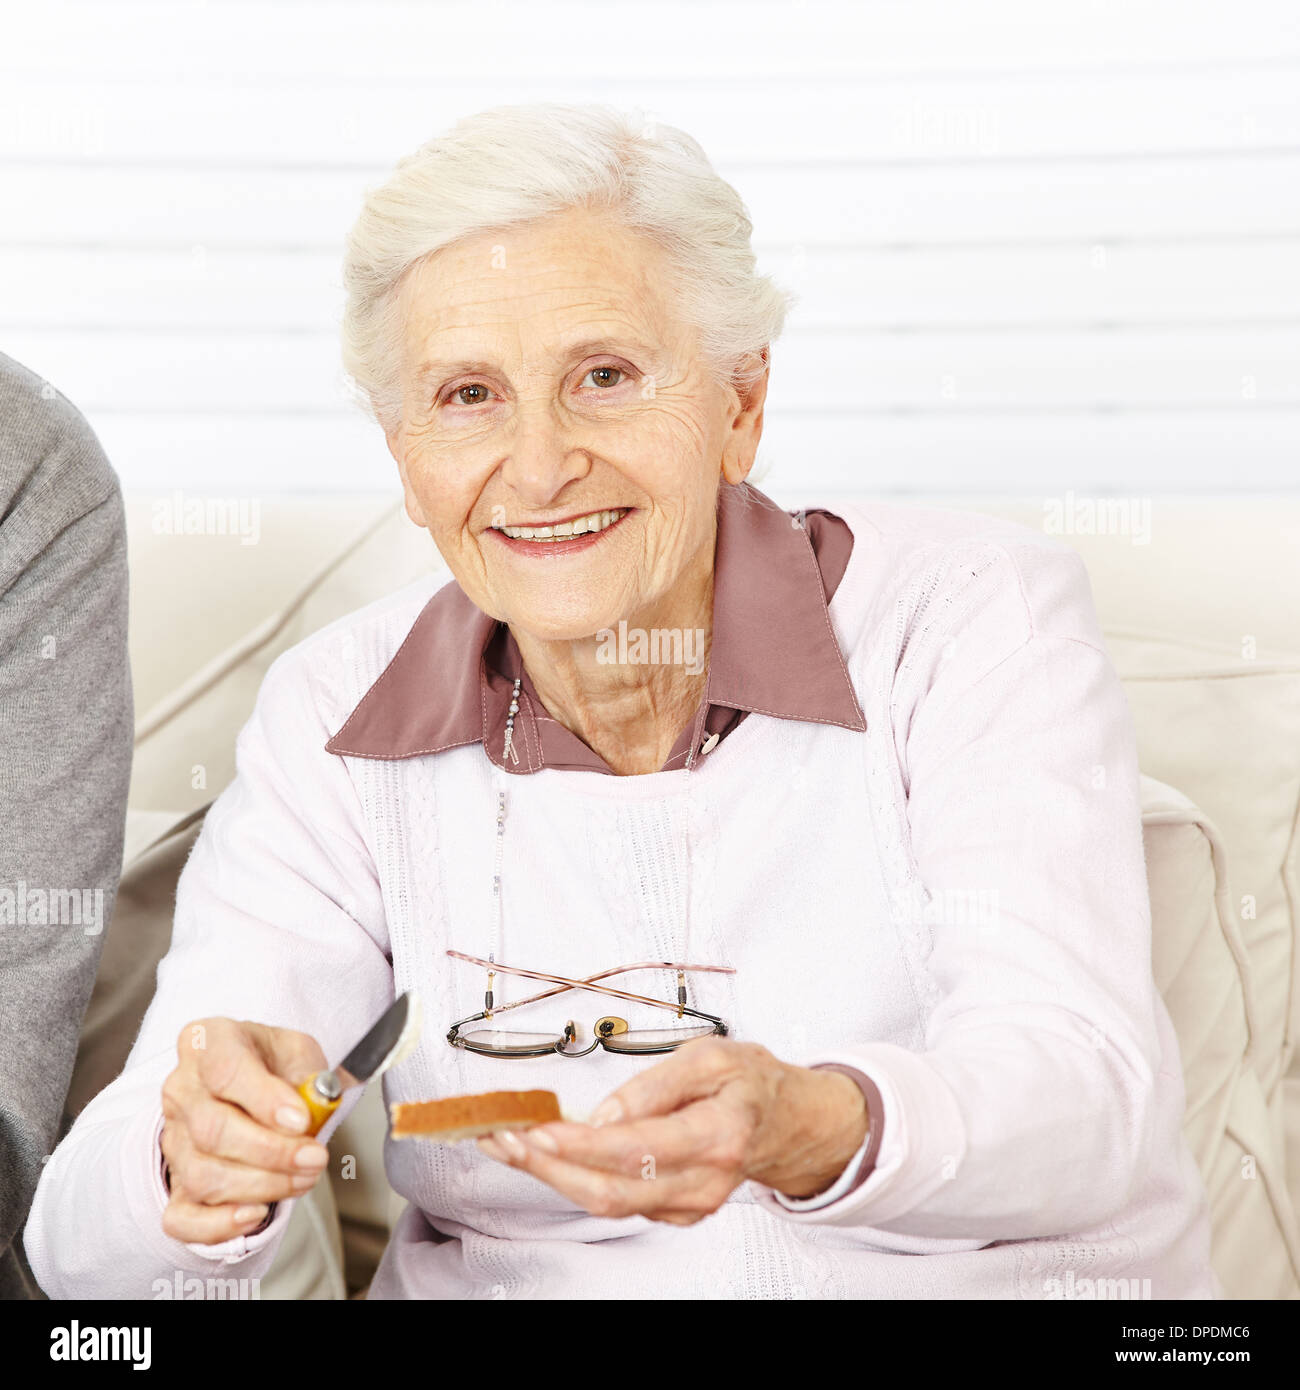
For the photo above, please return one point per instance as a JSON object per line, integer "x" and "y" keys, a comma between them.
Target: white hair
{"x": 510, "y": 165}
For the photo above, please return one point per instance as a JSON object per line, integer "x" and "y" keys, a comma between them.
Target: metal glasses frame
{"x": 605, "y": 1029}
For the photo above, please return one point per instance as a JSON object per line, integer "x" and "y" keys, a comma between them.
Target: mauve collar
{"x": 773, "y": 652}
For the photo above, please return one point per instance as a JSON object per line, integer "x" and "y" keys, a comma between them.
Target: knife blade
{"x": 392, "y": 1038}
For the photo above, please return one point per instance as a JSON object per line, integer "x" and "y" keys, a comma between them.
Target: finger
{"x": 217, "y": 1129}
{"x": 204, "y": 1225}
{"x": 612, "y": 1195}
{"x": 698, "y": 1134}
{"x": 289, "y": 1054}
{"x": 202, "y": 1178}
{"x": 213, "y": 1182}
{"x": 257, "y": 1068}
{"x": 695, "y": 1070}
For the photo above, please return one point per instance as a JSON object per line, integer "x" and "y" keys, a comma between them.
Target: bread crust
{"x": 468, "y": 1117}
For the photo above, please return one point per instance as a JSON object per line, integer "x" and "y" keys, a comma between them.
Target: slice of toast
{"x": 468, "y": 1117}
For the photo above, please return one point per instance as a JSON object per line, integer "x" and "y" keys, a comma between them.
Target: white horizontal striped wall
{"x": 1035, "y": 245}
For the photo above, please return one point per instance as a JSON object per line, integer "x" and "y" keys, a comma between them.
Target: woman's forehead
{"x": 502, "y": 290}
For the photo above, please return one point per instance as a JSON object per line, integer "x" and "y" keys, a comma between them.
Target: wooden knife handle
{"x": 320, "y": 1106}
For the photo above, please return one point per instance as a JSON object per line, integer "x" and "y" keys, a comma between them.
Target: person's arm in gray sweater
{"x": 65, "y": 761}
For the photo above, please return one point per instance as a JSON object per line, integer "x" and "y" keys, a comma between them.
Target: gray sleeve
{"x": 65, "y": 758}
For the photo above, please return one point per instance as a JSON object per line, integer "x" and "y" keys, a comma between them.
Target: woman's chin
{"x": 562, "y": 627}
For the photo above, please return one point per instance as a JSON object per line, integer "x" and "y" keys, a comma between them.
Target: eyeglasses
{"x": 613, "y": 1034}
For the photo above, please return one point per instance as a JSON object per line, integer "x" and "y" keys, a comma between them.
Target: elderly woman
{"x": 841, "y": 805}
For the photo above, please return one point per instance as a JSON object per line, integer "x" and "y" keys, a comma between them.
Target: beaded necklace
{"x": 508, "y": 750}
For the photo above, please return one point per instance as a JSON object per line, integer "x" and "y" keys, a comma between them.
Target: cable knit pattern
{"x": 953, "y": 904}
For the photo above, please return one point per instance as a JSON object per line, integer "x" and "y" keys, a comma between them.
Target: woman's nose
{"x": 544, "y": 456}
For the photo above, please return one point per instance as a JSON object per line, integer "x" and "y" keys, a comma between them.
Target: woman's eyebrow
{"x": 433, "y": 368}
{"x": 437, "y": 367}
{"x": 613, "y": 344}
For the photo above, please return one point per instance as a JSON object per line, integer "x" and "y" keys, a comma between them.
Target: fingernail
{"x": 290, "y": 1117}
{"x": 246, "y": 1214}
{"x": 311, "y": 1156}
{"x": 512, "y": 1143}
{"x": 303, "y": 1181}
{"x": 540, "y": 1139}
{"x": 607, "y": 1112}
{"x": 486, "y": 1145}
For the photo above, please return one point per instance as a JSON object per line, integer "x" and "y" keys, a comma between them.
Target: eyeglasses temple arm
{"x": 590, "y": 982}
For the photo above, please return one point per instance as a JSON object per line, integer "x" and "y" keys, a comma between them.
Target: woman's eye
{"x": 604, "y": 376}
{"x": 475, "y": 393}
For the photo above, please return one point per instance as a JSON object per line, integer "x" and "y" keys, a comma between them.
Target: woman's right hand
{"x": 233, "y": 1127}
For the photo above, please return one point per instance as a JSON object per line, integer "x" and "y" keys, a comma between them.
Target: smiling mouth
{"x": 589, "y": 524}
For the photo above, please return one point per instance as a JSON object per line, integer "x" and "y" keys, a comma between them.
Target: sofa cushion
{"x": 1206, "y": 977}
{"x": 1227, "y": 734}
{"x": 349, "y": 552}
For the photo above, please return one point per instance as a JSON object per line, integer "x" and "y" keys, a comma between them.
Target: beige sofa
{"x": 1202, "y": 617}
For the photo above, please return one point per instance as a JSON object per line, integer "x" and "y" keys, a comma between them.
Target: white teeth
{"x": 593, "y": 521}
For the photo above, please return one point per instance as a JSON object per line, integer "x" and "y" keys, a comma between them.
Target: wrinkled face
{"x": 546, "y": 383}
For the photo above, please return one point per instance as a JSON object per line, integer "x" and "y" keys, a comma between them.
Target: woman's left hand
{"x": 678, "y": 1138}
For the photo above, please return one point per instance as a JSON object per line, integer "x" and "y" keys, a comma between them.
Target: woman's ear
{"x": 396, "y": 446}
{"x": 746, "y": 430}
